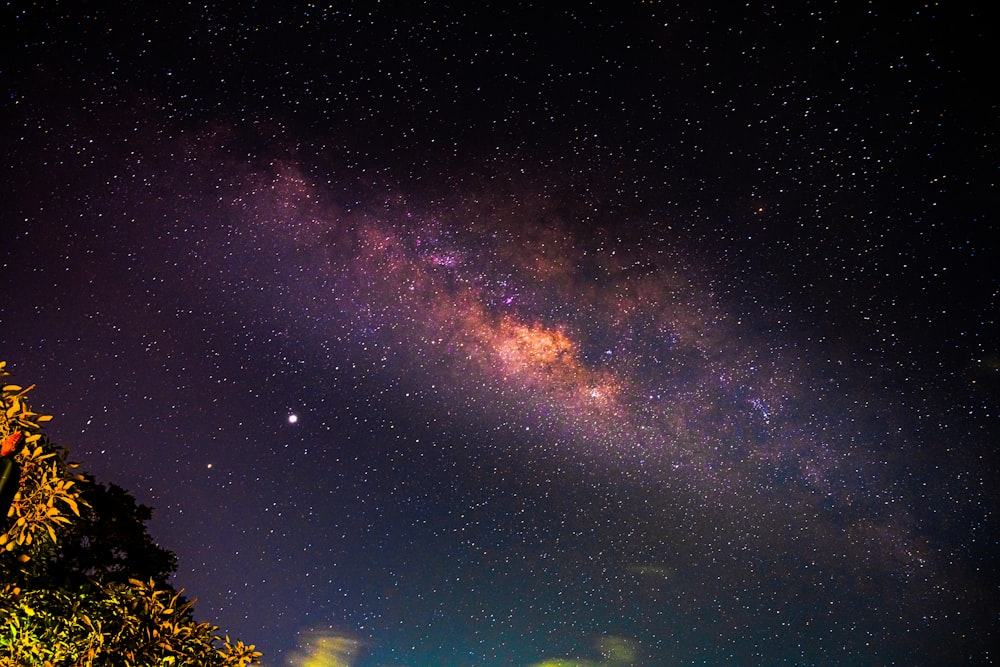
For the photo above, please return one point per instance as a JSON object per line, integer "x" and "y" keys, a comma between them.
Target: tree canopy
{"x": 82, "y": 583}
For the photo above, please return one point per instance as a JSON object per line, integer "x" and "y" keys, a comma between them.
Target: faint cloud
{"x": 324, "y": 648}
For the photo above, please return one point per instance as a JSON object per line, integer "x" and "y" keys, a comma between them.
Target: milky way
{"x": 625, "y": 356}
{"x": 615, "y": 360}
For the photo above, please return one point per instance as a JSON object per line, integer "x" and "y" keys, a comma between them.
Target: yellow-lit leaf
{"x": 72, "y": 504}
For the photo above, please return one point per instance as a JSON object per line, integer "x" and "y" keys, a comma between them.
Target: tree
{"x": 82, "y": 584}
{"x": 110, "y": 541}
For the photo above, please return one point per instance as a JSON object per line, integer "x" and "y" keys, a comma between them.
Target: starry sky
{"x": 480, "y": 334}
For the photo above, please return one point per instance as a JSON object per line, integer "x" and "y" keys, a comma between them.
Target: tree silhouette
{"x": 110, "y": 541}
{"x": 81, "y": 581}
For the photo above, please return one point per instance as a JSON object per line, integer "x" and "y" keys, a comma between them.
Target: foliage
{"x": 81, "y": 582}
{"x": 110, "y": 541}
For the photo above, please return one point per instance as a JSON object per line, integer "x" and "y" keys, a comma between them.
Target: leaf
{"x": 72, "y": 504}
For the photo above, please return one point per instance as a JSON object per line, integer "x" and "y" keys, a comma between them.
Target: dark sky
{"x": 480, "y": 334}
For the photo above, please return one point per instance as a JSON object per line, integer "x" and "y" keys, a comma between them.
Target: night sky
{"x": 479, "y": 334}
